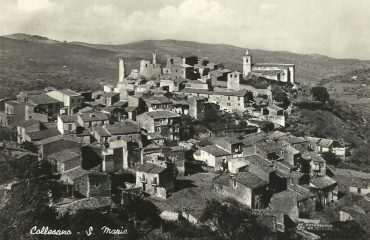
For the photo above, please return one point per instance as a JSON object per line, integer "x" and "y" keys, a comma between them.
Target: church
{"x": 281, "y": 72}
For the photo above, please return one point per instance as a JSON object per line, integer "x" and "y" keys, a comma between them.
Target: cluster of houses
{"x": 128, "y": 138}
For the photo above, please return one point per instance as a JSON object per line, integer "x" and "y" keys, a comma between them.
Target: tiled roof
{"x": 274, "y": 107}
{"x": 42, "y": 99}
{"x": 150, "y": 168}
{"x": 109, "y": 94}
{"x": 216, "y": 151}
{"x": 268, "y": 72}
{"x": 269, "y": 146}
{"x": 69, "y": 92}
{"x": 121, "y": 128}
{"x": 75, "y": 173}
{"x": 294, "y": 191}
{"x": 361, "y": 183}
{"x": 68, "y": 118}
{"x": 120, "y": 104}
{"x": 323, "y": 182}
{"x": 94, "y": 116}
{"x": 312, "y": 156}
{"x": 261, "y": 162}
{"x": 162, "y": 114}
{"x": 12, "y": 102}
{"x": 158, "y": 100}
{"x": 279, "y": 65}
{"x": 101, "y": 131}
{"x": 245, "y": 178}
{"x": 28, "y": 123}
{"x": 66, "y": 154}
{"x": 43, "y": 134}
{"x": 156, "y": 135}
{"x": 323, "y": 142}
{"x": 250, "y": 180}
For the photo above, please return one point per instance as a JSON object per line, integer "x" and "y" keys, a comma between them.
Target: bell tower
{"x": 121, "y": 70}
{"x": 247, "y": 63}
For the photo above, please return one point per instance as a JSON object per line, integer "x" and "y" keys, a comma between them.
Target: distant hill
{"x": 31, "y": 62}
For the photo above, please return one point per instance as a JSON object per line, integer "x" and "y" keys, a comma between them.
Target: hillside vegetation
{"x": 32, "y": 62}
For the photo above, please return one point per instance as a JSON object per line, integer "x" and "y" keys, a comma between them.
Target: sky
{"x": 337, "y": 28}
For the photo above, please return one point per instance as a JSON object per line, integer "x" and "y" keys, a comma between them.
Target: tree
{"x": 233, "y": 221}
{"x": 320, "y": 94}
{"x": 280, "y": 96}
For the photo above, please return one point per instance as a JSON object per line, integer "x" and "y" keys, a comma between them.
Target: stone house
{"x": 128, "y": 131}
{"x": 325, "y": 188}
{"x": 66, "y": 160}
{"x": 67, "y": 124}
{"x": 360, "y": 186}
{"x": 157, "y": 102}
{"x": 109, "y": 98}
{"x": 313, "y": 164}
{"x": 297, "y": 201}
{"x": 215, "y": 157}
{"x": 166, "y": 123}
{"x": 91, "y": 119}
{"x": 231, "y": 144}
{"x": 45, "y": 105}
{"x": 71, "y": 100}
{"x": 244, "y": 187}
{"x": 92, "y": 184}
{"x": 154, "y": 179}
{"x": 27, "y": 126}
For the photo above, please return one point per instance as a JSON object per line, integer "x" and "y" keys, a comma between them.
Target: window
{"x": 228, "y": 98}
{"x": 70, "y": 126}
{"x": 228, "y": 104}
{"x": 235, "y": 184}
{"x": 119, "y": 138}
{"x": 72, "y": 101}
{"x": 358, "y": 190}
{"x": 78, "y": 100}
{"x": 97, "y": 185}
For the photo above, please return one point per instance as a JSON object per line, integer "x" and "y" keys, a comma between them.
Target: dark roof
{"x": 43, "y": 134}
{"x": 323, "y": 182}
{"x": 42, "y": 99}
{"x": 121, "y": 128}
{"x": 261, "y": 162}
{"x": 94, "y": 116}
{"x": 150, "y": 168}
{"x": 158, "y": 100}
{"x": 250, "y": 180}
{"x": 269, "y": 146}
{"x": 162, "y": 114}
{"x": 66, "y": 154}
{"x": 294, "y": 191}
{"x": 215, "y": 151}
{"x": 28, "y": 123}
{"x": 109, "y": 94}
{"x": 245, "y": 178}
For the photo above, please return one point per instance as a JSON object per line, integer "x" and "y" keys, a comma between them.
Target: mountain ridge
{"x": 29, "y": 61}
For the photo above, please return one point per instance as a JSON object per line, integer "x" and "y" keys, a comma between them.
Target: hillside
{"x": 310, "y": 68}
{"x": 31, "y": 62}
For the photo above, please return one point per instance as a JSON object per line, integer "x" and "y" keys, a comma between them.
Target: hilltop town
{"x": 176, "y": 138}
